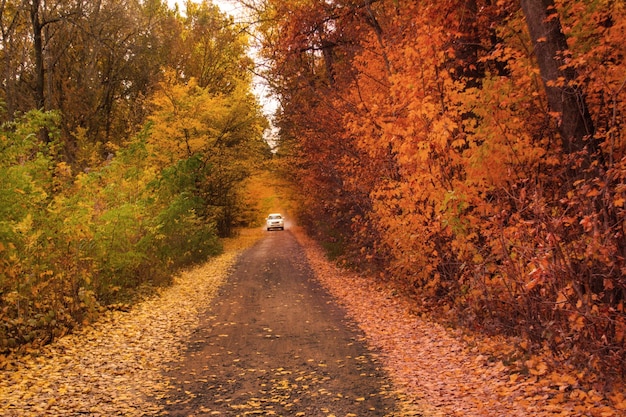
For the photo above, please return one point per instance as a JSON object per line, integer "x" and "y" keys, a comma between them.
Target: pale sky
{"x": 227, "y": 6}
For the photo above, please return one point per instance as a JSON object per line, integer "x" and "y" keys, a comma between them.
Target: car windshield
{"x": 274, "y": 216}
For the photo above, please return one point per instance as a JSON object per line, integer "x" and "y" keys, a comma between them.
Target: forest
{"x": 471, "y": 152}
{"x": 129, "y": 130}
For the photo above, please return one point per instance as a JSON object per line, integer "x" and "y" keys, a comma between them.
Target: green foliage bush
{"x": 70, "y": 244}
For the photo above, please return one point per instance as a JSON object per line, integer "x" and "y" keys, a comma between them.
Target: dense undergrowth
{"x": 71, "y": 244}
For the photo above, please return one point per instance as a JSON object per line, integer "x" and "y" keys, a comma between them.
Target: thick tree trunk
{"x": 566, "y": 98}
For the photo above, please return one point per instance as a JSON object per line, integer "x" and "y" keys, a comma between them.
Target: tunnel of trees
{"x": 470, "y": 152}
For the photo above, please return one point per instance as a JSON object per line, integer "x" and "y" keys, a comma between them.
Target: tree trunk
{"x": 566, "y": 98}
{"x": 38, "y": 52}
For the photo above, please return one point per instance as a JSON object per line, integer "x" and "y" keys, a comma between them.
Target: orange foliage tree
{"x": 433, "y": 148}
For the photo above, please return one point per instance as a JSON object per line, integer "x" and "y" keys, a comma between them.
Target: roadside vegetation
{"x": 118, "y": 365}
{"x": 133, "y": 163}
{"x": 470, "y": 152}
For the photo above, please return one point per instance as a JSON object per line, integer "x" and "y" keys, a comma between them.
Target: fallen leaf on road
{"x": 114, "y": 366}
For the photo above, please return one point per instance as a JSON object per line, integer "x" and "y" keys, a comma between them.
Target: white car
{"x": 275, "y": 221}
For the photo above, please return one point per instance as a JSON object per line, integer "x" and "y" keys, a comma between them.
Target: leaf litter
{"x": 115, "y": 366}
{"x": 448, "y": 373}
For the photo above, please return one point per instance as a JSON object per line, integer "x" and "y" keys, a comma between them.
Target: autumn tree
{"x": 13, "y": 54}
{"x": 454, "y": 148}
{"x": 222, "y": 133}
{"x": 215, "y": 49}
{"x": 141, "y": 170}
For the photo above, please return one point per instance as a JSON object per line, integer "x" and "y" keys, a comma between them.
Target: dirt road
{"x": 273, "y": 342}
